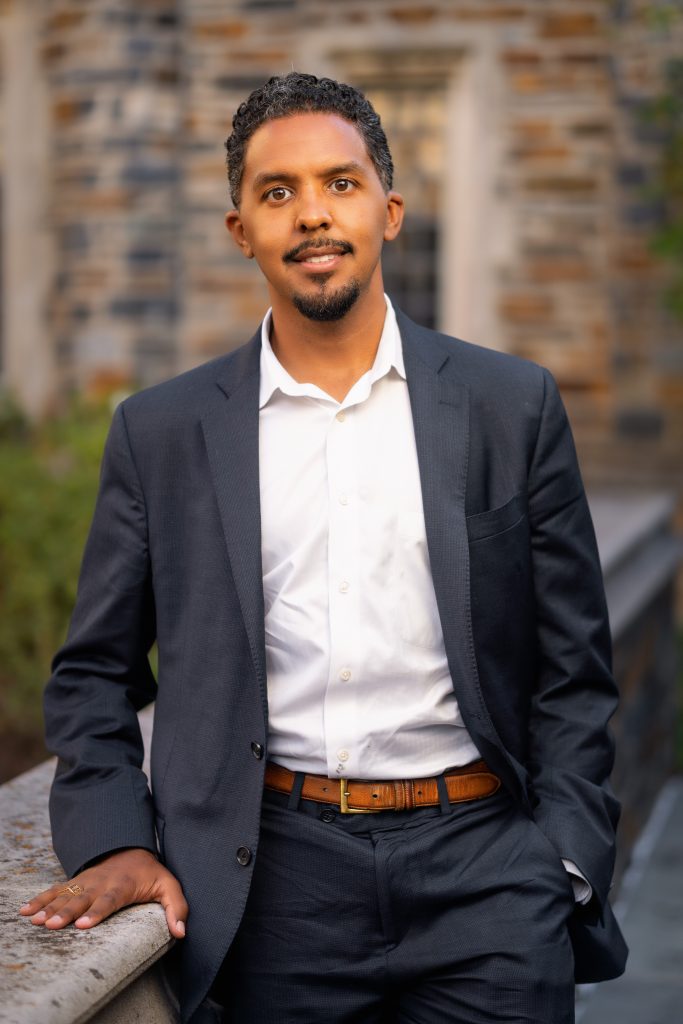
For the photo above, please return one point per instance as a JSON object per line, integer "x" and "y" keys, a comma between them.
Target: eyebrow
{"x": 269, "y": 177}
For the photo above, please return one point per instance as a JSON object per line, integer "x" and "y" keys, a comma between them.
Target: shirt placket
{"x": 340, "y": 718}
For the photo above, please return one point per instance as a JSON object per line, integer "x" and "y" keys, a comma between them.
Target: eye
{"x": 342, "y": 185}
{"x": 278, "y": 194}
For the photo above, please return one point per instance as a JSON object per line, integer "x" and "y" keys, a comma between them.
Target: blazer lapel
{"x": 230, "y": 422}
{"x": 440, "y": 403}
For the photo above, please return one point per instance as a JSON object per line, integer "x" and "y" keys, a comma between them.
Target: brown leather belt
{"x": 357, "y": 796}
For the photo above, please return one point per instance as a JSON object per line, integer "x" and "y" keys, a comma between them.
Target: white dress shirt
{"x": 358, "y": 682}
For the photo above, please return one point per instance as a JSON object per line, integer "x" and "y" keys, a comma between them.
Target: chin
{"x": 326, "y": 306}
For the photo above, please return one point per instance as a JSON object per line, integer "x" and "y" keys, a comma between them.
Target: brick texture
{"x": 147, "y": 282}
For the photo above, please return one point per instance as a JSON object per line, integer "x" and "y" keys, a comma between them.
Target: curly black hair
{"x": 295, "y": 93}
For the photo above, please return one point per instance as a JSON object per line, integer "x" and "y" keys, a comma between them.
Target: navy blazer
{"x": 174, "y": 554}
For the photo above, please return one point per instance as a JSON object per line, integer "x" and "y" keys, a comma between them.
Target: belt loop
{"x": 295, "y": 794}
{"x": 446, "y": 807}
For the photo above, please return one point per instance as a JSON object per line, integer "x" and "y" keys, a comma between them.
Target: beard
{"x": 328, "y": 306}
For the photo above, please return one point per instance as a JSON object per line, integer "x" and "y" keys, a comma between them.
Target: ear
{"x": 233, "y": 223}
{"x": 395, "y": 211}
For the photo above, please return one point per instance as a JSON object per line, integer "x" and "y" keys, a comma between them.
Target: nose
{"x": 313, "y": 213}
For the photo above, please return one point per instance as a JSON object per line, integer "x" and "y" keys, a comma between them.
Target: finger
{"x": 103, "y": 905}
{"x": 172, "y": 899}
{"x": 60, "y": 913}
{"x": 40, "y": 901}
{"x": 49, "y": 909}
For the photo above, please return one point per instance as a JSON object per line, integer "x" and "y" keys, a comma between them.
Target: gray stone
{"x": 65, "y": 977}
{"x": 638, "y": 552}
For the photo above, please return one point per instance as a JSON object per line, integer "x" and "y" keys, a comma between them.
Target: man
{"x": 378, "y": 537}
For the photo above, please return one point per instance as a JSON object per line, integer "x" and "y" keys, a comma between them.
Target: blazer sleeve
{"x": 571, "y": 751}
{"x": 101, "y": 677}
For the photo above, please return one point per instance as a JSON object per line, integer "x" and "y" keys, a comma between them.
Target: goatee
{"x": 328, "y": 306}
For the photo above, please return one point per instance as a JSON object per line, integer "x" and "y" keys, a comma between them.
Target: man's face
{"x": 314, "y": 214}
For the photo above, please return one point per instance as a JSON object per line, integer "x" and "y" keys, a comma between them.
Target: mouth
{"x": 321, "y": 255}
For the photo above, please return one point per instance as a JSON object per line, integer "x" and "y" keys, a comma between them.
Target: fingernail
{"x": 23, "y": 907}
{"x": 40, "y": 916}
{"x": 180, "y": 925}
{"x": 83, "y": 921}
{"x": 54, "y": 919}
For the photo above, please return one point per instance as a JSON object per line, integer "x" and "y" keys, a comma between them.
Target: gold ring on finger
{"x": 72, "y": 890}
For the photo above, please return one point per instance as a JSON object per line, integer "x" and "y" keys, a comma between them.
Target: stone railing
{"x": 105, "y": 974}
{"x": 110, "y": 974}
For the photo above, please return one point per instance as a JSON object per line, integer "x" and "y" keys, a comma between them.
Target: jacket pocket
{"x": 496, "y": 520}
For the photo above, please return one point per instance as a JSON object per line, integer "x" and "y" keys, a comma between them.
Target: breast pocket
{"x": 418, "y": 614}
{"x": 496, "y": 520}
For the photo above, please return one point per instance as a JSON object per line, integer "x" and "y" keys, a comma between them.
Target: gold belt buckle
{"x": 344, "y": 802}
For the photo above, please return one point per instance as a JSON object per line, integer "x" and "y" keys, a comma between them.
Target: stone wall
{"x": 527, "y": 181}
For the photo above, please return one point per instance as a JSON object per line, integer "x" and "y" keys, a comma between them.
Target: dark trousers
{"x": 413, "y": 917}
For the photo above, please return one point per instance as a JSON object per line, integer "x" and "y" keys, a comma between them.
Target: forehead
{"x": 304, "y": 143}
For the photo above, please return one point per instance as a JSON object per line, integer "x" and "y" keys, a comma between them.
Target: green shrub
{"x": 48, "y": 482}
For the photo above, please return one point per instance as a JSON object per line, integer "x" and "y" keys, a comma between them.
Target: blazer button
{"x": 257, "y": 750}
{"x": 243, "y": 856}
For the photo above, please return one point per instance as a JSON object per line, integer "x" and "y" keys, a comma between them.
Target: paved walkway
{"x": 650, "y": 909}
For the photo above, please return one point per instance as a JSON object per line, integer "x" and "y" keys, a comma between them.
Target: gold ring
{"x": 73, "y": 890}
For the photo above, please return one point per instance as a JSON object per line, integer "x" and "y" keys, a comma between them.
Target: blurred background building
{"x": 531, "y": 141}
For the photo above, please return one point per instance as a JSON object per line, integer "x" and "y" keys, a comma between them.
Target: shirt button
{"x": 257, "y": 750}
{"x": 345, "y": 674}
{"x": 344, "y": 586}
{"x": 327, "y": 816}
{"x": 341, "y": 416}
{"x": 343, "y": 499}
{"x": 243, "y": 856}
{"x": 343, "y": 755}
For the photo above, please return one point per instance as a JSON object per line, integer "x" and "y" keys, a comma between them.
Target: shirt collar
{"x": 274, "y": 377}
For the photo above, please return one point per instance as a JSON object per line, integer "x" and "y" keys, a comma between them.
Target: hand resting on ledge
{"x": 116, "y": 881}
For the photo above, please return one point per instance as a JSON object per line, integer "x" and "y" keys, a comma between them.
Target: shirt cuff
{"x": 583, "y": 890}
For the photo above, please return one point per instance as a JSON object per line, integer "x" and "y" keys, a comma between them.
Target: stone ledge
{"x": 63, "y": 977}
{"x": 639, "y": 553}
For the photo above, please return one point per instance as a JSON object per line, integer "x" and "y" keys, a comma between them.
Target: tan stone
{"x": 525, "y": 306}
{"x": 570, "y": 184}
{"x": 534, "y": 130}
{"x": 210, "y": 30}
{"x": 487, "y": 13}
{"x": 67, "y": 18}
{"x": 106, "y": 199}
{"x": 560, "y": 25}
{"x": 538, "y": 151}
{"x": 516, "y": 57}
{"x": 51, "y": 52}
{"x": 635, "y": 258}
{"x": 417, "y": 15}
{"x": 543, "y": 81}
{"x": 558, "y": 270}
{"x": 265, "y": 57}
{"x": 65, "y": 111}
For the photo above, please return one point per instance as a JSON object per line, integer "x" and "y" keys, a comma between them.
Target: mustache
{"x": 318, "y": 243}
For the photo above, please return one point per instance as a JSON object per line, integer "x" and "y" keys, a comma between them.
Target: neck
{"x": 332, "y": 355}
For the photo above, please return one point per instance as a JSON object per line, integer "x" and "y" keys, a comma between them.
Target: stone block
{"x": 65, "y": 19}
{"x": 560, "y": 270}
{"x": 419, "y": 14}
{"x": 561, "y": 25}
{"x": 490, "y": 12}
{"x": 580, "y": 185}
{"x": 523, "y": 307}
{"x": 209, "y": 31}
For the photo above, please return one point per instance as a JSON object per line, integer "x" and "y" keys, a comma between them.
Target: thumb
{"x": 174, "y": 903}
